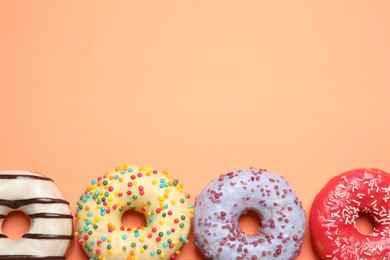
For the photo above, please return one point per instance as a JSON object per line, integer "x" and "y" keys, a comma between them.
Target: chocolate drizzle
{"x": 50, "y": 215}
{"x": 23, "y": 176}
{"x": 43, "y": 236}
{"x": 46, "y": 236}
{"x": 28, "y": 257}
{"x": 14, "y": 204}
{"x": 45, "y": 215}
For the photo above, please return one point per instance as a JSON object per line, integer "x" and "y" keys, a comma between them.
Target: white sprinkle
{"x": 360, "y": 195}
{"x": 341, "y": 186}
{"x": 357, "y": 202}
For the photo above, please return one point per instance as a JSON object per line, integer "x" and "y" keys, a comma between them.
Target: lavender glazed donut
{"x": 225, "y": 199}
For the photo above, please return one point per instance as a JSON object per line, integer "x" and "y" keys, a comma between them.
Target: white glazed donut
{"x": 51, "y": 229}
{"x": 224, "y": 200}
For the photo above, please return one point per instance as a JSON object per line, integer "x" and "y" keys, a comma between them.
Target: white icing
{"x": 38, "y": 207}
{"x": 57, "y": 226}
{"x": 24, "y": 246}
{"x": 16, "y": 189}
{"x": 20, "y": 172}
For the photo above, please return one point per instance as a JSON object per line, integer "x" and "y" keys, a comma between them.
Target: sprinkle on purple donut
{"x": 225, "y": 199}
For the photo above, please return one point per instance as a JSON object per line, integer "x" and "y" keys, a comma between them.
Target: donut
{"x": 129, "y": 187}
{"x": 337, "y": 207}
{"x": 221, "y": 203}
{"x": 51, "y": 228}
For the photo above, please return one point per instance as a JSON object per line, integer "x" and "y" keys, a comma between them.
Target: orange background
{"x": 300, "y": 88}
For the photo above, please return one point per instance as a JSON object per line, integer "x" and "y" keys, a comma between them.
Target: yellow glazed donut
{"x": 150, "y": 192}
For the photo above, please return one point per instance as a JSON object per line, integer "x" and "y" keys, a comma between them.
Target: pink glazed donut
{"x": 335, "y": 211}
{"x": 222, "y": 202}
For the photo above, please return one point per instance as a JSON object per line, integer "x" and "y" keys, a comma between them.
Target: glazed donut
{"x": 51, "y": 229}
{"x": 150, "y": 192}
{"x": 222, "y": 202}
{"x": 337, "y": 206}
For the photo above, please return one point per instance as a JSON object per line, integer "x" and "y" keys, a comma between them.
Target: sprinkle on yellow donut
{"x": 150, "y": 192}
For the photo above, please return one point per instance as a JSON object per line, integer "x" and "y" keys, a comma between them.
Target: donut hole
{"x": 249, "y": 223}
{"x": 365, "y": 223}
{"x": 133, "y": 218}
{"x": 16, "y": 224}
